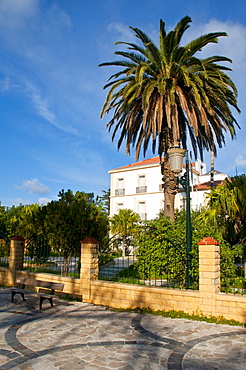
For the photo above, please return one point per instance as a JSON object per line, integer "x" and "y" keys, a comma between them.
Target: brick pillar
{"x": 209, "y": 274}
{"x": 16, "y": 257}
{"x": 89, "y": 266}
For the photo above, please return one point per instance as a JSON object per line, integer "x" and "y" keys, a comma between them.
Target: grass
{"x": 69, "y": 298}
{"x": 181, "y": 315}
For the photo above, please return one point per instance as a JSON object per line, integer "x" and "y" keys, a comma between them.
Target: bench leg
{"x": 42, "y": 299}
{"x": 13, "y": 293}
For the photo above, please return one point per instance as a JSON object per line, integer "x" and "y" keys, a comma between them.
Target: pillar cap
{"x": 17, "y": 237}
{"x": 89, "y": 240}
{"x": 208, "y": 241}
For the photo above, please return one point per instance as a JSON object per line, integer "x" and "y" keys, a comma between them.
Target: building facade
{"x": 138, "y": 186}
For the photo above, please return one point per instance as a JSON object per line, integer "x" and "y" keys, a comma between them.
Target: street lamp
{"x": 176, "y": 157}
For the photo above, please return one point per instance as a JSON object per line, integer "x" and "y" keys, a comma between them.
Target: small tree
{"x": 70, "y": 219}
{"x": 123, "y": 224}
{"x": 227, "y": 208}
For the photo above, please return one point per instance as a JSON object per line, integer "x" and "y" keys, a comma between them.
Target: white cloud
{"x": 124, "y": 31}
{"x": 59, "y": 16}
{"x": 18, "y": 201}
{"x": 42, "y": 107}
{"x": 43, "y": 201}
{"x": 34, "y": 186}
{"x": 13, "y": 13}
{"x": 5, "y": 85}
{"x": 240, "y": 161}
{"x": 233, "y": 46}
{"x": 21, "y": 7}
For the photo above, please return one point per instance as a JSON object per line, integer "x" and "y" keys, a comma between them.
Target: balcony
{"x": 143, "y": 216}
{"x": 141, "y": 189}
{"x": 120, "y": 191}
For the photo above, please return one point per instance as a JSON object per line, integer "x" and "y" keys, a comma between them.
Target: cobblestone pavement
{"x": 77, "y": 335}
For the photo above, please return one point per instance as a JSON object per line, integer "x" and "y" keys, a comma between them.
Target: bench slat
{"x": 40, "y": 283}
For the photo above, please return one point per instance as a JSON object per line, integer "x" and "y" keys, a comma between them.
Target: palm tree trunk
{"x": 170, "y": 189}
{"x": 212, "y": 169}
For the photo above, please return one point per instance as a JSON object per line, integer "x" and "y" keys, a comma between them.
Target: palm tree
{"x": 227, "y": 208}
{"x": 165, "y": 93}
{"x": 123, "y": 223}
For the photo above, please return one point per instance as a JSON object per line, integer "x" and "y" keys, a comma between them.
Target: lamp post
{"x": 176, "y": 157}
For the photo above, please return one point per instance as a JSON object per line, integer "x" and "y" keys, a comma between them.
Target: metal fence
{"x": 168, "y": 271}
{"x": 39, "y": 256}
{"x": 4, "y": 253}
{"x": 234, "y": 280}
{"x": 136, "y": 269}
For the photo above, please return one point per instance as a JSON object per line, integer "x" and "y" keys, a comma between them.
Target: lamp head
{"x": 176, "y": 158}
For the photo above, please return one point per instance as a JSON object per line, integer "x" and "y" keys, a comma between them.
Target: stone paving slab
{"x": 78, "y": 335}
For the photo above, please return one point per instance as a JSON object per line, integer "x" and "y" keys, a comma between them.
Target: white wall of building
{"x": 138, "y": 187}
{"x": 140, "y": 192}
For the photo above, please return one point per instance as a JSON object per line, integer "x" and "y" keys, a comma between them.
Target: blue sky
{"x": 51, "y": 88}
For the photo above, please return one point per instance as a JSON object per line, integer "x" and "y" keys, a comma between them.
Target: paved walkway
{"x": 73, "y": 336}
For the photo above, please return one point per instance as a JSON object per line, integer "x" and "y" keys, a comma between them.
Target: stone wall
{"x": 208, "y": 300}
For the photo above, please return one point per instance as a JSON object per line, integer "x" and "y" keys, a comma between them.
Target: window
{"x": 142, "y": 210}
{"x": 141, "y": 188}
{"x": 120, "y": 190}
{"x": 119, "y": 206}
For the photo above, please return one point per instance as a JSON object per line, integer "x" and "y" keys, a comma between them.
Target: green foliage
{"x": 123, "y": 222}
{"x": 227, "y": 208}
{"x": 104, "y": 200}
{"x": 104, "y": 258}
{"x": 161, "y": 250}
{"x": 4, "y": 248}
{"x": 70, "y": 219}
{"x": 38, "y": 248}
{"x": 63, "y": 223}
{"x": 124, "y": 226}
{"x": 164, "y": 93}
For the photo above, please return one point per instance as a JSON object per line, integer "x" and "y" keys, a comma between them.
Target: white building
{"x": 138, "y": 186}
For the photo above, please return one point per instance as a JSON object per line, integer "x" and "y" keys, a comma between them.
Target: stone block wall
{"x": 208, "y": 300}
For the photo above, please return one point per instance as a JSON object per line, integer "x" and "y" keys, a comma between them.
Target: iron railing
{"x": 141, "y": 189}
{"x": 40, "y": 256}
{"x": 143, "y": 216}
{"x": 233, "y": 280}
{"x": 133, "y": 268}
{"x": 120, "y": 191}
{"x": 4, "y": 253}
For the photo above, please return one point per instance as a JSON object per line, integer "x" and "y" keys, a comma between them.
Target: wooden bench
{"x": 47, "y": 285}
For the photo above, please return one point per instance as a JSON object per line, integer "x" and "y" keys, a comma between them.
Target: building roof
{"x": 215, "y": 172}
{"x": 207, "y": 185}
{"x": 145, "y": 162}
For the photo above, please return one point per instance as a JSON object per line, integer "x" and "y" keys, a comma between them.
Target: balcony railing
{"x": 143, "y": 216}
{"x": 141, "y": 189}
{"x": 120, "y": 191}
